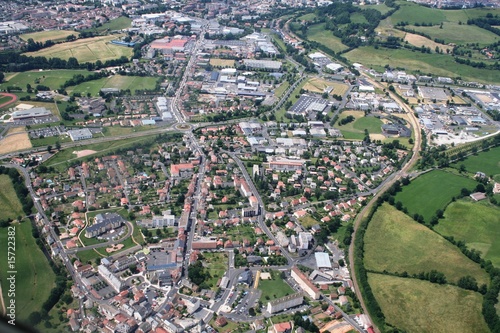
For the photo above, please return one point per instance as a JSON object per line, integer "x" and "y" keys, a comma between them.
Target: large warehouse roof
{"x": 322, "y": 260}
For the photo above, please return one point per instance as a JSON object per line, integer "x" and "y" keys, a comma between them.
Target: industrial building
{"x": 285, "y": 302}
{"x": 322, "y": 260}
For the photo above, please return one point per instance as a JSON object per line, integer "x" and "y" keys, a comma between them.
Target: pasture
{"x": 34, "y": 279}
{"x": 115, "y": 81}
{"x": 475, "y": 223}
{"x": 419, "y": 41}
{"x": 415, "y": 61}
{"x": 394, "y": 242}
{"x": 317, "y": 85}
{"x": 9, "y": 203}
{"x": 216, "y": 62}
{"x": 459, "y": 33}
{"x": 382, "y": 8}
{"x": 432, "y": 191}
{"x": 416, "y": 306}
{"x": 53, "y": 35}
{"x": 50, "y": 78}
{"x": 318, "y": 33}
{"x": 86, "y": 50}
{"x": 356, "y": 130}
{"x": 487, "y": 162}
{"x": 413, "y": 13}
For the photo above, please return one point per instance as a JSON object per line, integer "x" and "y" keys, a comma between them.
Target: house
{"x": 285, "y": 327}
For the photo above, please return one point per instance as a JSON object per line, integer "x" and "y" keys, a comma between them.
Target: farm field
{"x": 394, "y": 242}
{"x": 459, "y": 33}
{"x": 9, "y": 203}
{"x": 487, "y": 162}
{"x": 419, "y": 306}
{"x": 419, "y": 41}
{"x": 53, "y": 35}
{"x": 318, "y": 86}
{"x": 413, "y": 61}
{"x": 356, "y": 130}
{"x": 35, "y": 278}
{"x": 86, "y": 50}
{"x": 16, "y": 139}
{"x": 116, "y": 81}
{"x": 432, "y": 191}
{"x": 216, "y": 62}
{"x": 475, "y": 223}
{"x": 318, "y": 34}
{"x": 274, "y": 288}
{"x": 217, "y": 264}
{"x": 50, "y": 78}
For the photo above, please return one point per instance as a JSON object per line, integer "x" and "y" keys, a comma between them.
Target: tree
{"x": 2, "y": 76}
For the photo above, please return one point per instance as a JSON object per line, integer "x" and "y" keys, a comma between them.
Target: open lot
{"x": 416, "y": 306}
{"x": 53, "y": 35}
{"x": 356, "y": 130}
{"x": 50, "y": 78}
{"x": 86, "y": 50}
{"x": 318, "y": 86}
{"x": 394, "y": 242}
{"x": 274, "y": 288}
{"x": 475, "y": 223}
{"x": 318, "y": 33}
{"x": 116, "y": 81}
{"x": 9, "y": 203}
{"x": 216, "y": 62}
{"x": 216, "y": 263}
{"x": 487, "y": 162}
{"x": 16, "y": 139}
{"x": 432, "y": 191}
{"x": 34, "y": 279}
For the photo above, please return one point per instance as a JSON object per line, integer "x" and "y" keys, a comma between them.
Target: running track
{"x": 14, "y": 98}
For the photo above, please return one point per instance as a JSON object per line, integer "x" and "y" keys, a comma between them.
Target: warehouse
{"x": 80, "y": 134}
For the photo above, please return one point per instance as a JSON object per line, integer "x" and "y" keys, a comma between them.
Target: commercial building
{"x": 30, "y": 113}
{"x": 322, "y": 260}
{"x": 305, "y": 283}
{"x": 285, "y": 302}
{"x": 80, "y": 134}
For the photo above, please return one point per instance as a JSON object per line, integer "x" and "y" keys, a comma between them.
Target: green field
{"x": 88, "y": 256}
{"x": 307, "y": 17}
{"x": 432, "y": 191}
{"x": 394, "y": 242}
{"x": 217, "y": 264}
{"x": 413, "y": 61}
{"x": 382, "y": 8}
{"x": 487, "y": 162}
{"x": 34, "y": 279}
{"x": 278, "y": 92}
{"x": 9, "y": 203}
{"x": 416, "y": 306}
{"x": 119, "y": 23}
{"x": 475, "y": 223}
{"x": 50, "y": 78}
{"x": 358, "y": 18}
{"x": 413, "y": 13}
{"x": 53, "y": 35}
{"x": 86, "y": 50}
{"x": 356, "y": 130}
{"x": 318, "y": 34}
{"x": 116, "y": 81}
{"x": 275, "y": 288}
{"x": 459, "y": 34}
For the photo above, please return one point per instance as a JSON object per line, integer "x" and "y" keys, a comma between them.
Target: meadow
{"x": 34, "y": 279}
{"x": 419, "y": 41}
{"x": 274, "y": 288}
{"x": 50, "y": 78}
{"x": 453, "y": 32}
{"x": 432, "y": 191}
{"x": 116, "y": 81}
{"x": 394, "y": 242}
{"x": 9, "y": 203}
{"x": 118, "y": 23}
{"x": 411, "y": 305}
{"x": 53, "y": 35}
{"x": 86, "y": 50}
{"x": 217, "y": 263}
{"x": 356, "y": 130}
{"x": 475, "y": 223}
{"x": 487, "y": 162}
{"x": 318, "y": 33}
{"x": 382, "y": 8}
{"x": 415, "y": 61}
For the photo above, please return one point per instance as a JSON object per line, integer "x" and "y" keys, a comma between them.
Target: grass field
{"x": 50, "y": 78}
{"x": 419, "y": 41}
{"x": 356, "y": 129}
{"x": 394, "y": 242}
{"x": 416, "y": 306}
{"x": 487, "y": 162}
{"x": 34, "y": 279}
{"x": 318, "y": 86}
{"x": 307, "y": 17}
{"x": 278, "y": 92}
{"x": 86, "y": 50}
{"x": 459, "y": 34}
{"x": 432, "y": 191}
{"x": 9, "y": 203}
{"x": 88, "y": 256}
{"x": 318, "y": 33}
{"x": 217, "y": 264}
{"x": 477, "y": 224}
{"x": 307, "y": 221}
{"x": 413, "y": 13}
{"x": 436, "y": 64}
{"x": 382, "y": 8}
{"x": 53, "y": 35}
{"x": 116, "y": 81}
{"x": 358, "y": 18}
{"x": 275, "y": 288}
{"x": 216, "y": 62}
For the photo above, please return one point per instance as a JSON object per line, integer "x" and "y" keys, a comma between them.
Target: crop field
{"x": 116, "y": 81}
{"x": 275, "y": 288}
{"x": 356, "y": 129}
{"x": 475, "y": 223}
{"x": 419, "y": 41}
{"x": 459, "y": 33}
{"x": 86, "y": 50}
{"x": 432, "y": 191}
{"x": 318, "y": 33}
{"x": 216, "y": 62}
{"x": 9, "y": 203}
{"x": 394, "y": 242}
{"x": 410, "y": 305}
{"x": 487, "y": 162}
{"x": 50, "y": 78}
{"x": 413, "y": 61}
{"x": 53, "y": 35}
{"x": 318, "y": 86}
{"x": 35, "y": 278}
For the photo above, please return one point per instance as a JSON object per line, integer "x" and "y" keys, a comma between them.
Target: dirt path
{"x": 14, "y": 98}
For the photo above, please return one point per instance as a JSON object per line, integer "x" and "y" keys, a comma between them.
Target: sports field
{"x": 432, "y": 191}
{"x": 318, "y": 33}
{"x": 437, "y": 64}
{"x": 216, "y": 62}
{"x": 356, "y": 130}
{"x": 116, "y": 81}
{"x": 477, "y": 224}
{"x": 487, "y": 162}
{"x": 416, "y": 306}
{"x": 34, "y": 279}
{"x": 53, "y": 35}
{"x": 394, "y": 242}
{"x": 317, "y": 85}
{"x": 50, "y": 78}
{"x": 86, "y": 50}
